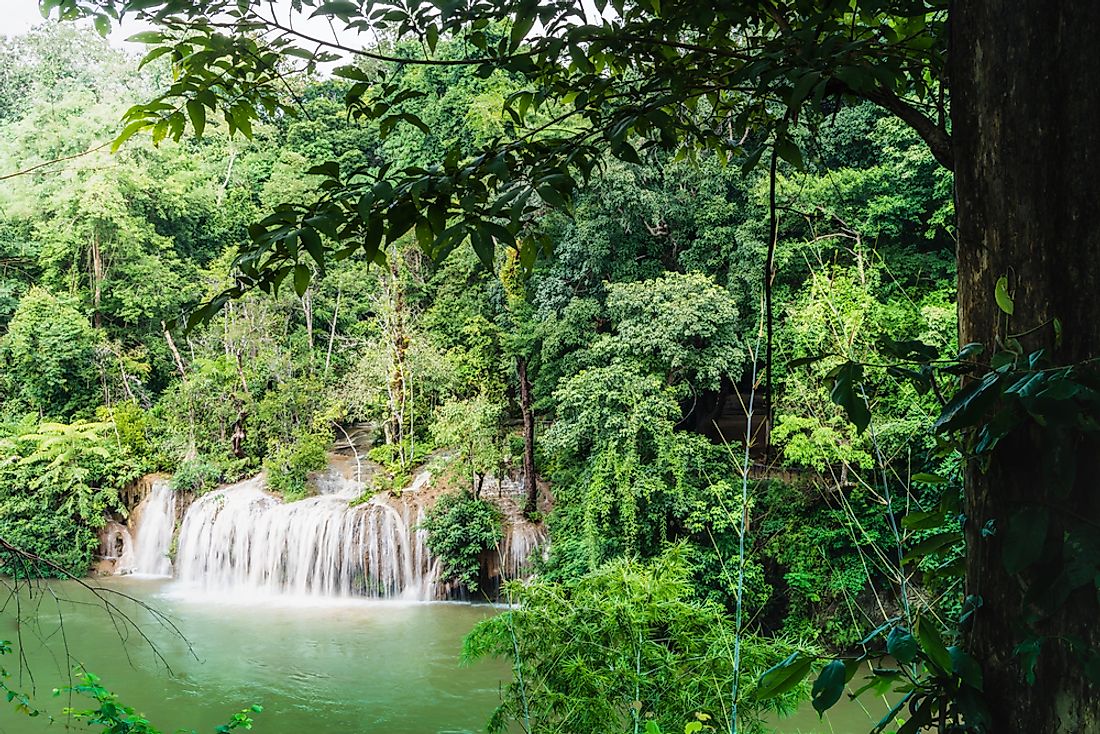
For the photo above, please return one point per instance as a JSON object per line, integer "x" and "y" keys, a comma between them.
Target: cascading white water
{"x": 154, "y": 523}
{"x": 241, "y": 538}
{"x": 522, "y": 540}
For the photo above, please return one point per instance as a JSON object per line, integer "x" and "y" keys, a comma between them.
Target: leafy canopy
{"x": 642, "y": 76}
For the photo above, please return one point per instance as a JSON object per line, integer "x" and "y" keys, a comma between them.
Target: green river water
{"x": 339, "y": 668}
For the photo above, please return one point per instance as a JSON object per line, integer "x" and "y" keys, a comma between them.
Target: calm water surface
{"x": 339, "y": 668}
{"x": 328, "y": 668}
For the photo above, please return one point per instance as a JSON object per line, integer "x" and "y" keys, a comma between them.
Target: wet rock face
{"x": 115, "y": 549}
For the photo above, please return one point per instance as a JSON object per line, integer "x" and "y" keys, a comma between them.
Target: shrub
{"x": 625, "y": 645}
{"x": 199, "y": 475}
{"x": 459, "y": 529}
{"x": 58, "y": 483}
{"x": 289, "y": 465}
{"x": 48, "y": 357}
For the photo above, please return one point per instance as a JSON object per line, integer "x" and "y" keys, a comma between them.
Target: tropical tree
{"x": 49, "y": 357}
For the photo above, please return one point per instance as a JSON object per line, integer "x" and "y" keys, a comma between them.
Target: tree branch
{"x": 937, "y": 137}
{"x": 34, "y": 168}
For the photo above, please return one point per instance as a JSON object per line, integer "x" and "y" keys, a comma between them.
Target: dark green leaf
{"x": 197, "y": 112}
{"x": 901, "y": 644}
{"x": 784, "y": 676}
{"x": 301, "y": 279}
{"x": 1025, "y": 534}
{"x": 930, "y": 641}
{"x": 847, "y": 393}
{"x": 966, "y": 667}
{"x": 828, "y": 687}
{"x": 802, "y": 361}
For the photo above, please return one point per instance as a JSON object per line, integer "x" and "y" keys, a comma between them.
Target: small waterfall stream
{"x": 154, "y": 523}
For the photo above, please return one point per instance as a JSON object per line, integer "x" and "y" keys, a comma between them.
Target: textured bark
{"x": 530, "y": 484}
{"x": 1025, "y": 109}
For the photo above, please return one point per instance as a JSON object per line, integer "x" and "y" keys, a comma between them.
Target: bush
{"x": 625, "y": 645}
{"x": 459, "y": 529}
{"x": 200, "y": 475}
{"x": 58, "y": 484}
{"x": 48, "y": 357}
{"x": 289, "y": 465}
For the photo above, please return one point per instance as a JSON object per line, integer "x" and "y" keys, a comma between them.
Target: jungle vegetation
{"x": 575, "y": 244}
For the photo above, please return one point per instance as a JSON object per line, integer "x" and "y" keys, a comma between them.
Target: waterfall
{"x": 241, "y": 538}
{"x": 153, "y": 522}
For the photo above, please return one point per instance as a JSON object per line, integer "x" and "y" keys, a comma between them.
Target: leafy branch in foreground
{"x": 1045, "y": 547}
{"x": 116, "y": 717}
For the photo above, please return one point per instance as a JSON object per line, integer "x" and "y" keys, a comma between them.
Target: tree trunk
{"x": 175, "y": 352}
{"x": 397, "y": 344}
{"x": 1025, "y": 105}
{"x": 530, "y": 485}
{"x": 96, "y": 258}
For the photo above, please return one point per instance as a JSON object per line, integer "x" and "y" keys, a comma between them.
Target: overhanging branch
{"x": 936, "y": 136}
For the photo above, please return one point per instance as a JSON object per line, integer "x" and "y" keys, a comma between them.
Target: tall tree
{"x": 1026, "y": 152}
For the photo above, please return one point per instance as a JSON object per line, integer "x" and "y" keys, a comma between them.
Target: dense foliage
{"x": 639, "y": 332}
{"x": 460, "y": 528}
{"x": 616, "y": 649}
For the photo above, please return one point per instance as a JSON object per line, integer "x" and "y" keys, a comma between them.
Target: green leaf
{"x": 926, "y": 478}
{"x": 828, "y": 687}
{"x": 972, "y": 349}
{"x": 1028, "y": 651}
{"x": 784, "y": 676}
{"x": 197, "y": 112}
{"x": 301, "y": 279}
{"x": 931, "y": 545}
{"x": 786, "y": 149}
{"x": 965, "y": 667}
{"x": 803, "y": 361}
{"x": 963, "y": 410}
{"x": 483, "y": 246}
{"x": 524, "y": 21}
{"x": 847, "y": 393}
{"x": 311, "y": 240}
{"x": 932, "y": 644}
{"x": 1025, "y": 534}
{"x": 146, "y": 37}
{"x": 902, "y": 645}
{"x": 923, "y": 520}
{"x": 1000, "y": 293}
{"x": 330, "y": 168}
{"x": 339, "y": 8}
{"x": 128, "y": 132}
